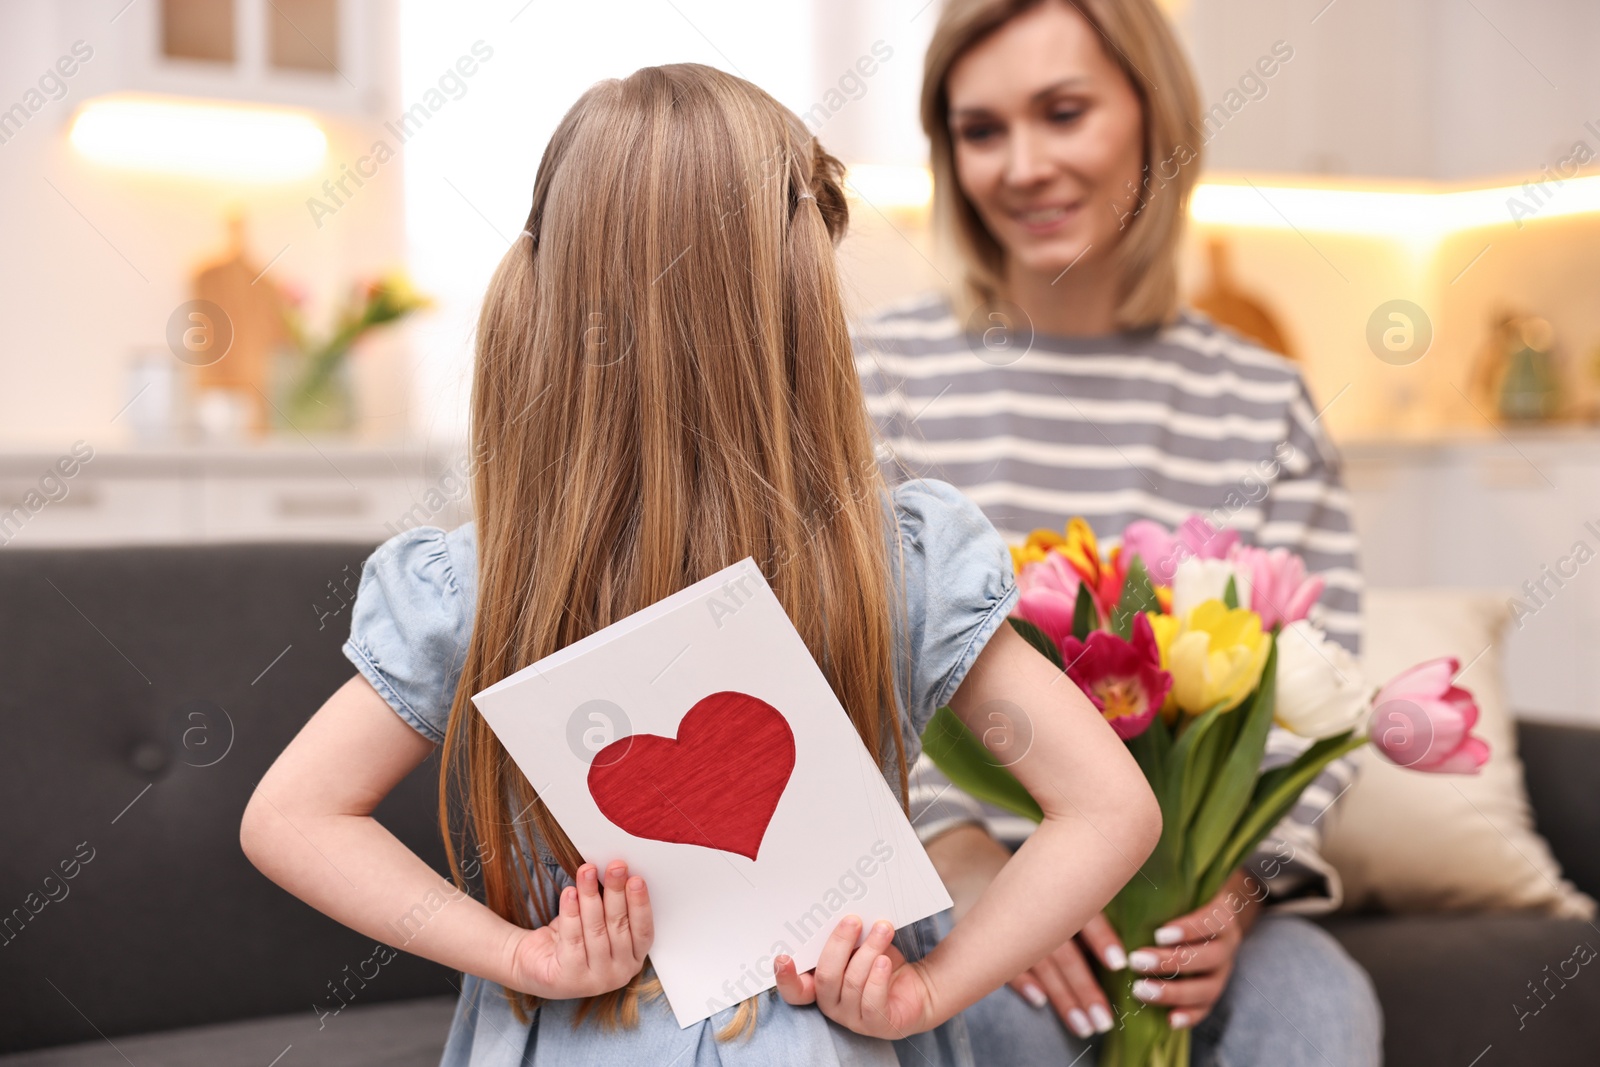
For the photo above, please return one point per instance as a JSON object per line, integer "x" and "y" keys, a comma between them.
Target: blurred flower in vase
{"x": 314, "y": 386}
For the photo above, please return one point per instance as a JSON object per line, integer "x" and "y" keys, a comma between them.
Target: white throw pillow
{"x": 1407, "y": 841}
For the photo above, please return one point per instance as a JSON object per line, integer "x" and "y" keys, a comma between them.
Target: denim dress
{"x": 408, "y": 636}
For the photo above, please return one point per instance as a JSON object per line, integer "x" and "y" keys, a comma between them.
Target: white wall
{"x": 1437, "y": 89}
{"x": 93, "y": 261}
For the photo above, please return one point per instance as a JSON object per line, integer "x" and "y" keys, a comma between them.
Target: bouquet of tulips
{"x": 1192, "y": 646}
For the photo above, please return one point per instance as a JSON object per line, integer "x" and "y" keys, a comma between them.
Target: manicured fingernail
{"x": 1079, "y": 1022}
{"x": 1144, "y": 960}
{"x": 1169, "y": 935}
{"x": 1179, "y": 1020}
{"x": 1147, "y": 990}
{"x": 1116, "y": 959}
{"x": 882, "y": 928}
{"x": 881, "y": 964}
{"x": 1102, "y": 1018}
{"x": 1035, "y": 996}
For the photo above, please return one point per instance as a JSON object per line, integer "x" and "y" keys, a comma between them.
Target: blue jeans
{"x": 1295, "y": 999}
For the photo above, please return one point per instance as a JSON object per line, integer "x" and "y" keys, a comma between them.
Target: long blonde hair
{"x": 665, "y": 382}
{"x": 1140, "y": 41}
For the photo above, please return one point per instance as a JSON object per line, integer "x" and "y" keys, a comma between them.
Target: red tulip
{"x": 1124, "y": 679}
{"x": 1422, "y": 720}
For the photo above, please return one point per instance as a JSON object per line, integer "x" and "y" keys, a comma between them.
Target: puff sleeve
{"x": 411, "y": 622}
{"x": 959, "y": 588}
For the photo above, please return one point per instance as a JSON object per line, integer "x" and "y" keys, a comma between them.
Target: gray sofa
{"x": 145, "y": 692}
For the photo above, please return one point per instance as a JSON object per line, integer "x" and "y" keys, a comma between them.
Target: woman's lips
{"x": 1040, "y": 221}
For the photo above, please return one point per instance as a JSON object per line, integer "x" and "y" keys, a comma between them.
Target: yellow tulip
{"x": 1166, "y": 628}
{"x": 1034, "y": 550}
{"x": 1215, "y": 654}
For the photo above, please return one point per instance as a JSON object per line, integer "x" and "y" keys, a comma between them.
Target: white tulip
{"x": 1321, "y": 691}
{"x": 1198, "y": 580}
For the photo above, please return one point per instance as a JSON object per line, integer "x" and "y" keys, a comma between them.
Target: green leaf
{"x": 1230, "y": 595}
{"x": 1038, "y": 639}
{"x": 1277, "y": 792}
{"x": 1193, "y": 763}
{"x": 1084, "y": 617}
{"x": 957, "y": 752}
{"x": 1229, "y": 794}
{"x": 1137, "y": 595}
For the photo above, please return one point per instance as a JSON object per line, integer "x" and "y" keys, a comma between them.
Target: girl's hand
{"x": 1065, "y": 981}
{"x": 594, "y": 944}
{"x": 871, "y": 990}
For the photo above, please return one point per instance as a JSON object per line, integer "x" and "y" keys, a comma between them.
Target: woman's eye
{"x": 977, "y": 134}
{"x": 1066, "y": 115}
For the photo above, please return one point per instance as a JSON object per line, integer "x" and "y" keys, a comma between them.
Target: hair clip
{"x": 527, "y": 234}
{"x": 805, "y": 196}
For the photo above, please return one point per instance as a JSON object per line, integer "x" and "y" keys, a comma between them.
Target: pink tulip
{"x": 1049, "y": 595}
{"x": 1274, "y": 584}
{"x": 1163, "y": 551}
{"x": 1205, "y": 541}
{"x": 1423, "y": 721}
{"x": 1160, "y": 551}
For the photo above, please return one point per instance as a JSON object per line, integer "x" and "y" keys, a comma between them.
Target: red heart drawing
{"x": 716, "y": 784}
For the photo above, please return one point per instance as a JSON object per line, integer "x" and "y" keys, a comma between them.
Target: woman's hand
{"x": 594, "y": 945}
{"x": 871, "y": 990}
{"x": 1190, "y": 969}
{"x": 1065, "y": 981}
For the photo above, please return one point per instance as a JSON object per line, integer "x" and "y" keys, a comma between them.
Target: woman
{"x": 1058, "y": 377}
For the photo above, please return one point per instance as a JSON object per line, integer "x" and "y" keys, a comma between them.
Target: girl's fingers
{"x": 794, "y": 988}
{"x": 836, "y": 952}
{"x": 859, "y": 968}
{"x": 1080, "y": 979}
{"x": 569, "y": 931}
{"x": 597, "y": 944}
{"x": 1104, "y": 942}
{"x": 875, "y": 994}
{"x": 615, "y": 900}
{"x": 640, "y": 918}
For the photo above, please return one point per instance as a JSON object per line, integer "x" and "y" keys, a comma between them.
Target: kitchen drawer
{"x": 100, "y": 510}
{"x": 301, "y": 508}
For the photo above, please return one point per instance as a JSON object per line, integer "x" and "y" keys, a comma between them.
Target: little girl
{"x": 664, "y": 384}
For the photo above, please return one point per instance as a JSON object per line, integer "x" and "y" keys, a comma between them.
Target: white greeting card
{"x": 698, "y": 741}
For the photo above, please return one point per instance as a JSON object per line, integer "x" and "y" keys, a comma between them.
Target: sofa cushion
{"x": 146, "y": 690}
{"x": 1406, "y": 841}
{"x": 407, "y": 1033}
{"x": 1452, "y": 985}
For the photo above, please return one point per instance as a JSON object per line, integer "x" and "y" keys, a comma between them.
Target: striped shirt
{"x": 1156, "y": 424}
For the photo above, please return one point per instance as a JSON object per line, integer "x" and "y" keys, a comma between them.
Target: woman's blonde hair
{"x": 1139, "y": 39}
{"x": 664, "y": 385}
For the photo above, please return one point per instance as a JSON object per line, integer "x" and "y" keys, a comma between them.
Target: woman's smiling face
{"x": 1049, "y": 139}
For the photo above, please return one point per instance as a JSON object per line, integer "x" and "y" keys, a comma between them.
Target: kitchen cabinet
{"x": 178, "y": 495}
{"x": 1503, "y": 513}
{"x": 1426, "y": 89}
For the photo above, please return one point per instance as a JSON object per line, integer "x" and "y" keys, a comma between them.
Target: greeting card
{"x": 699, "y": 741}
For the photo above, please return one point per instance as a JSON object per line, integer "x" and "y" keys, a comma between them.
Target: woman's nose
{"x": 1026, "y": 162}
